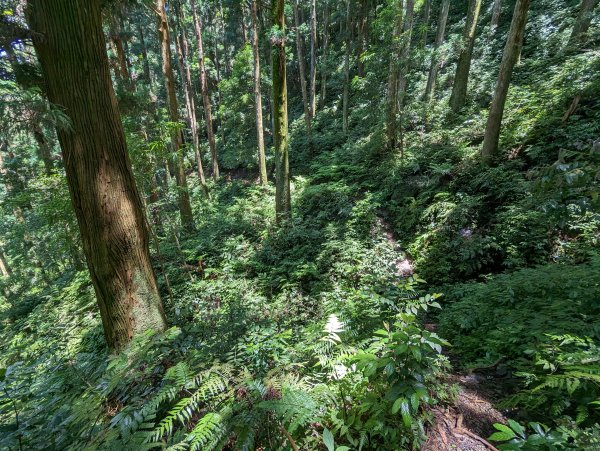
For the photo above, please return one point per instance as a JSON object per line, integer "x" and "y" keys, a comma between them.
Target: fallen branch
{"x": 478, "y": 438}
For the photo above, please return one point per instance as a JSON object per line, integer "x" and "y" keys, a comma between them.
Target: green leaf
{"x": 517, "y": 428}
{"x": 328, "y": 440}
{"x": 505, "y": 433}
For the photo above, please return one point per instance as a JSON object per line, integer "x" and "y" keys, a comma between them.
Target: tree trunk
{"x": 346, "y": 94}
{"x": 44, "y": 149}
{"x": 461, "y": 79}
{"x": 185, "y": 209}
{"x": 115, "y": 36}
{"x": 145, "y": 63}
{"x": 312, "y": 97}
{"x": 405, "y": 55}
{"x": 243, "y": 22}
{"x": 280, "y": 115}
{"x": 70, "y": 45}
{"x": 301, "y": 67}
{"x": 392, "y": 91}
{"x": 324, "y": 56}
{"x": 584, "y": 19}
{"x": 435, "y": 58}
{"x": 262, "y": 165}
{"x": 184, "y": 68}
{"x": 496, "y": 12}
{"x": 509, "y": 58}
{"x": 205, "y": 98}
{"x": 5, "y": 269}
{"x": 425, "y": 29}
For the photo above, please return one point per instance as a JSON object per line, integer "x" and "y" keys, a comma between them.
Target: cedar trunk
{"x": 262, "y": 164}
{"x": 346, "y": 94}
{"x": 461, "y": 79}
{"x": 584, "y": 20}
{"x": 312, "y": 97}
{"x": 394, "y": 75}
{"x": 205, "y": 98}
{"x": 185, "y": 209}
{"x": 280, "y": 115}
{"x": 509, "y": 59}
{"x": 72, "y": 51}
{"x": 435, "y": 58}
{"x": 301, "y": 67}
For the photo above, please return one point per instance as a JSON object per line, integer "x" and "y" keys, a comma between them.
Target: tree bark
{"x": 283, "y": 199}
{"x": 425, "y": 29}
{"x": 5, "y": 269}
{"x": 392, "y": 90}
{"x": 262, "y": 164}
{"x": 461, "y": 79}
{"x": 584, "y": 19}
{"x": 312, "y": 97}
{"x": 44, "y": 149}
{"x": 205, "y": 97}
{"x": 435, "y": 58}
{"x": 301, "y": 66}
{"x": 509, "y": 58}
{"x": 346, "y": 94}
{"x": 145, "y": 63}
{"x": 71, "y": 48}
{"x": 184, "y": 68}
{"x": 324, "y": 56}
{"x": 407, "y": 29}
{"x": 185, "y": 209}
{"x": 496, "y": 12}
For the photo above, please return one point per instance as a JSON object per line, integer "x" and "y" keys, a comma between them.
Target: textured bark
{"x": 262, "y": 164}
{"x": 205, "y": 97}
{"x": 190, "y": 105}
{"x": 283, "y": 199}
{"x": 312, "y": 96}
{"x": 461, "y": 79}
{"x": 584, "y": 19}
{"x": 509, "y": 59}
{"x": 301, "y": 66}
{"x": 324, "y": 57}
{"x": 185, "y": 209}
{"x": 496, "y": 12}
{"x": 70, "y": 45}
{"x": 435, "y": 58}
{"x": 393, "y": 77}
{"x": 346, "y": 94}
{"x": 115, "y": 36}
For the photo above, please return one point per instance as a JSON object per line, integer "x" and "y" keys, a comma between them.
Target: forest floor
{"x": 463, "y": 426}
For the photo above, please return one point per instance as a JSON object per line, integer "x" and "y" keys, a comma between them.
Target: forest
{"x": 299, "y": 225}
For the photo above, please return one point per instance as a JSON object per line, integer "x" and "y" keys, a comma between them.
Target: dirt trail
{"x": 464, "y": 426}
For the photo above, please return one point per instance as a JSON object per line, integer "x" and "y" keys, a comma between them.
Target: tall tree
{"x": 425, "y": 25}
{"x": 583, "y": 21}
{"x": 393, "y": 77}
{"x": 461, "y": 79}
{"x": 301, "y": 65}
{"x": 346, "y": 93}
{"x": 262, "y": 165}
{"x": 435, "y": 57}
{"x": 407, "y": 29}
{"x": 182, "y": 48}
{"x": 509, "y": 59}
{"x": 496, "y": 12}
{"x": 283, "y": 200}
{"x": 205, "y": 97}
{"x": 325, "y": 46}
{"x": 70, "y": 45}
{"x": 312, "y": 97}
{"x": 185, "y": 209}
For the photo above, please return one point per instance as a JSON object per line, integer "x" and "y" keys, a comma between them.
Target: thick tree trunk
{"x": 184, "y": 68}
{"x": 509, "y": 58}
{"x": 435, "y": 58}
{"x": 346, "y": 94}
{"x": 312, "y": 97}
{"x": 70, "y": 45}
{"x": 461, "y": 79}
{"x": 205, "y": 97}
{"x": 185, "y": 209}
{"x": 584, "y": 19}
{"x": 496, "y": 12}
{"x": 262, "y": 164}
{"x": 324, "y": 56}
{"x": 301, "y": 66}
{"x": 283, "y": 199}
{"x": 393, "y": 77}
